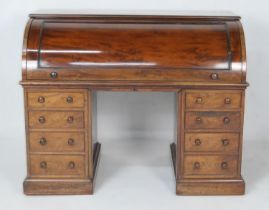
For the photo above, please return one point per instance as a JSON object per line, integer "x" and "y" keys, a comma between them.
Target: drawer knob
{"x": 71, "y": 142}
{"x": 225, "y": 142}
{"x": 198, "y": 120}
{"x": 69, "y": 99}
{"x": 224, "y": 165}
{"x": 214, "y": 76}
{"x": 53, "y": 75}
{"x": 197, "y": 142}
{"x": 196, "y": 165}
{"x": 43, "y": 141}
{"x": 43, "y": 164}
{"x": 70, "y": 119}
{"x": 226, "y": 120}
{"x": 71, "y": 165}
{"x": 199, "y": 100}
{"x": 41, "y": 99}
{"x": 42, "y": 119}
{"x": 227, "y": 101}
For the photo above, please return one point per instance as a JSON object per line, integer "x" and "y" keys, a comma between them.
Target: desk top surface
{"x": 224, "y": 15}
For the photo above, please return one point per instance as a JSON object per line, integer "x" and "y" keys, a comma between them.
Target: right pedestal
{"x": 208, "y": 150}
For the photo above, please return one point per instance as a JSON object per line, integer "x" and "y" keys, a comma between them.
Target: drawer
{"x": 56, "y": 142}
{"x": 56, "y": 119}
{"x": 210, "y": 166}
{"x": 211, "y": 142}
{"x": 57, "y": 165}
{"x": 213, "y": 100}
{"x": 55, "y": 99}
{"x": 212, "y": 120}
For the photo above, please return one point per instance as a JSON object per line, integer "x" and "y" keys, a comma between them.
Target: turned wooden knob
{"x": 42, "y": 119}
{"x": 197, "y": 142}
{"x": 71, "y": 165}
{"x": 71, "y": 141}
{"x": 42, "y": 141}
{"x": 225, "y": 142}
{"x": 199, "y": 100}
{"x": 227, "y": 101}
{"x": 196, "y": 165}
{"x": 53, "y": 75}
{"x": 226, "y": 120}
{"x": 43, "y": 164}
{"x": 214, "y": 76}
{"x": 41, "y": 99}
{"x": 224, "y": 165}
{"x": 198, "y": 120}
{"x": 70, "y": 119}
{"x": 69, "y": 99}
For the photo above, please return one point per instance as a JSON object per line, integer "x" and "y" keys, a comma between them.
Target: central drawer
{"x": 225, "y": 120}
{"x": 57, "y": 165}
{"x": 56, "y": 119}
{"x": 206, "y": 166}
{"x": 56, "y": 141}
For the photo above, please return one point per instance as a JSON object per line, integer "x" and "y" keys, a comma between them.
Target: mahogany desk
{"x": 67, "y": 57}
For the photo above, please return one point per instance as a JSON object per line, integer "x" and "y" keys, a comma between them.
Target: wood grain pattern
{"x": 135, "y": 75}
{"x": 135, "y": 46}
{"x": 208, "y": 166}
{"x": 200, "y": 58}
{"x": 213, "y": 100}
{"x": 56, "y": 120}
{"x": 212, "y": 187}
{"x": 212, "y": 142}
{"x": 212, "y": 120}
{"x": 57, "y": 141}
{"x": 57, "y": 166}
{"x": 209, "y": 154}
{"x": 88, "y": 50}
{"x": 57, "y": 186}
{"x": 54, "y": 100}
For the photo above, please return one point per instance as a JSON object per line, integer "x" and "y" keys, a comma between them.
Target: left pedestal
{"x": 60, "y": 155}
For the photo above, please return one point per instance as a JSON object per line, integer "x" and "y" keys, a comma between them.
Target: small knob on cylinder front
{"x": 214, "y": 76}
{"x": 53, "y": 75}
{"x": 198, "y": 120}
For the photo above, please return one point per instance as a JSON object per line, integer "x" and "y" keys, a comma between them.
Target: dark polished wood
{"x": 201, "y": 58}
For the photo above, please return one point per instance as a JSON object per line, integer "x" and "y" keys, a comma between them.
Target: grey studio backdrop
{"x": 139, "y": 126}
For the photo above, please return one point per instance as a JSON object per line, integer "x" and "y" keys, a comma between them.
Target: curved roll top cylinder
{"x": 132, "y": 48}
